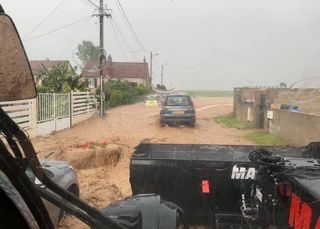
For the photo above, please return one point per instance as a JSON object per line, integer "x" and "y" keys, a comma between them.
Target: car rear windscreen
{"x": 178, "y": 101}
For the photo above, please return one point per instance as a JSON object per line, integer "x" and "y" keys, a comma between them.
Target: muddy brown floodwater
{"x": 119, "y": 132}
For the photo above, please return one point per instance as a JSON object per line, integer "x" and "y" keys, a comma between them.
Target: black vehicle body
{"x": 21, "y": 198}
{"x": 177, "y": 109}
{"x": 235, "y": 186}
{"x": 230, "y": 186}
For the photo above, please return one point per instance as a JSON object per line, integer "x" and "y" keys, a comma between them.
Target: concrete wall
{"x": 82, "y": 117}
{"x": 246, "y": 104}
{"x": 307, "y": 99}
{"x": 248, "y": 113}
{"x": 241, "y": 113}
{"x": 297, "y": 128}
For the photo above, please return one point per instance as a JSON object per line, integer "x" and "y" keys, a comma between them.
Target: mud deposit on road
{"x": 93, "y": 157}
{"x": 104, "y": 176}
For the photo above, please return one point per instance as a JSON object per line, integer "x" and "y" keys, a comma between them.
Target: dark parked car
{"x": 177, "y": 109}
{"x": 63, "y": 175}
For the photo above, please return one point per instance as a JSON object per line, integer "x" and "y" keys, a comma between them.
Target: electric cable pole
{"x": 102, "y": 58}
{"x": 151, "y": 73}
{"x": 162, "y": 66}
{"x": 161, "y": 75}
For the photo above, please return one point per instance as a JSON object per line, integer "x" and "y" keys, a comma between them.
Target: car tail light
{"x": 205, "y": 186}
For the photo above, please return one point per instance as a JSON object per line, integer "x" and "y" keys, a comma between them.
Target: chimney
{"x": 47, "y": 59}
{"x": 144, "y": 59}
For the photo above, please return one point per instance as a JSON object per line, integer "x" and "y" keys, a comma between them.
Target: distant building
{"x": 39, "y": 65}
{"x": 253, "y": 104}
{"x": 134, "y": 72}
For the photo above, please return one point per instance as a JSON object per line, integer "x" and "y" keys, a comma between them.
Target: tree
{"x": 283, "y": 85}
{"x": 161, "y": 87}
{"x": 87, "y": 51}
{"x": 60, "y": 78}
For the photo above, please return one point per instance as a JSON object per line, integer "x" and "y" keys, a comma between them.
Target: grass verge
{"x": 266, "y": 139}
{"x": 231, "y": 122}
{"x": 199, "y": 93}
{"x": 257, "y": 137}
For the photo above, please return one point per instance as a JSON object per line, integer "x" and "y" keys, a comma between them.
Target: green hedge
{"x": 116, "y": 98}
{"x": 122, "y": 92}
{"x": 143, "y": 90}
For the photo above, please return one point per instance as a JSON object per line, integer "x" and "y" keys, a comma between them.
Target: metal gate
{"x": 53, "y": 112}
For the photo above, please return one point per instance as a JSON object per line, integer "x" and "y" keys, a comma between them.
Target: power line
{"x": 119, "y": 41}
{"x": 124, "y": 38}
{"x": 115, "y": 25}
{"x": 46, "y": 18}
{"x": 64, "y": 46}
{"x": 56, "y": 30}
{"x": 92, "y": 3}
{"x": 118, "y": 3}
{"x": 82, "y": 26}
{"x": 96, "y": 2}
{"x": 74, "y": 38}
{"x": 87, "y": 3}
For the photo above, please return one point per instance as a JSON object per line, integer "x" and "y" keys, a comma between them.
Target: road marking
{"x": 215, "y": 105}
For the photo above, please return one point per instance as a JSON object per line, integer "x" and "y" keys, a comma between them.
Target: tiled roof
{"x": 37, "y": 65}
{"x": 117, "y": 70}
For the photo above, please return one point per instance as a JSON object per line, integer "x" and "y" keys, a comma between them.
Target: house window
{"x": 91, "y": 83}
{"x": 134, "y": 84}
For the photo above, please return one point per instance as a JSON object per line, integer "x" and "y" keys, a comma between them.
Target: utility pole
{"x": 101, "y": 15}
{"x": 150, "y": 74}
{"x": 102, "y": 58}
{"x": 162, "y": 66}
{"x": 161, "y": 75}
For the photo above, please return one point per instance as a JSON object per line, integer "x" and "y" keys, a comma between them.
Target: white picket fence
{"x": 52, "y": 105}
{"x": 82, "y": 103}
{"x": 20, "y": 111}
{"x": 51, "y": 112}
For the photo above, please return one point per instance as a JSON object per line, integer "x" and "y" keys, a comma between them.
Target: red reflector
{"x": 288, "y": 190}
{"x": 281, "y": 189}
{"x": 205, "y": 186}
{"x": 284, "y": 189}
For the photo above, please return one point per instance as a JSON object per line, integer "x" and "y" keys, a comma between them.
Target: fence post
{"x": 54, "y": 112}
{"x": 88, "y": 106}
{"x": 34, "y": 117}
{"x": 71, "y": 108}
{"x": 97, "y": 106}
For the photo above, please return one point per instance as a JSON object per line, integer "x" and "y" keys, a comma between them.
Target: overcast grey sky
{"x": 208, "y": 44}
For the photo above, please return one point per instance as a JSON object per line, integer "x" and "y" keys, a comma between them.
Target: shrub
{"x": 116, "y": 98}
{"x": 122, "y": 92}
{"x": 127, "y": 95}
{"x": 143, "y": 90}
